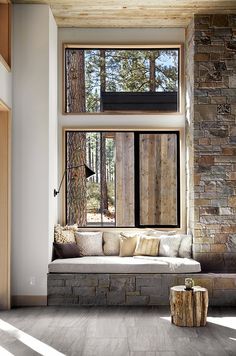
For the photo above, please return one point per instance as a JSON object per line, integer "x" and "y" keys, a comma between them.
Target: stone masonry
{"x": 134, "y": 289}
{"x": 212, "y": 133}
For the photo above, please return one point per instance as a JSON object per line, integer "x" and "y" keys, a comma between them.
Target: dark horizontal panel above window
{"x": 150, "y": 101}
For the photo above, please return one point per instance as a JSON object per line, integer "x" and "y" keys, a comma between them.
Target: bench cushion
{"x": 116, "y": 264}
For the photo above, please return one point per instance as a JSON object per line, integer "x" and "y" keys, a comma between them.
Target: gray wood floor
{"x": 113, "y": 331}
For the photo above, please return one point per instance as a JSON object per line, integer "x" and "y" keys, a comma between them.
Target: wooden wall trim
{"x": 5, "y": 208}
{"x": 28, "y": 300}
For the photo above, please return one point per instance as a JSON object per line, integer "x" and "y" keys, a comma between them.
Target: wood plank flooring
{"x": 113, "y": 331}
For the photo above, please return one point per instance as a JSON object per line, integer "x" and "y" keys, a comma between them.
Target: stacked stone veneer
{"x": 134, "y": 289}
{"x": 212, "y": 140}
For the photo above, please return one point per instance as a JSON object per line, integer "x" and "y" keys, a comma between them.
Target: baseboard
{"x": 28, "y": 300}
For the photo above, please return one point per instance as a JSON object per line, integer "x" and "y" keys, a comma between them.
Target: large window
{"x": 136, "y": 180}
{"x": 121, "y": 79}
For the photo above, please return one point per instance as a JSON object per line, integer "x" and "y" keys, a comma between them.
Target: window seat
{"x": 116, "y": 264}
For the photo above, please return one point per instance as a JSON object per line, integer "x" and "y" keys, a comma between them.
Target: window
{"x": 121, "y": 79}
{"x": 136, "y": 180}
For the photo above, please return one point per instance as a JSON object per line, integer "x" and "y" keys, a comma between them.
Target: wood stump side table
{"x": 188, "y": 307}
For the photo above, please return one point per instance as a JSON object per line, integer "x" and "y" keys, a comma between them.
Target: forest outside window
{"x": 136, "y": 181}
{"x": 121, "y": 79}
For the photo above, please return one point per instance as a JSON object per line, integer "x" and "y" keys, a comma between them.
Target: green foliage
{"x": 128, "y": 70}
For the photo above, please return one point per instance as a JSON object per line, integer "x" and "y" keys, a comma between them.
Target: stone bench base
{"x": 134, "y": 289}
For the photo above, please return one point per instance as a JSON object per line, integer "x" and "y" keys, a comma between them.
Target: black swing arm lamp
{"x": 88, "y": 173}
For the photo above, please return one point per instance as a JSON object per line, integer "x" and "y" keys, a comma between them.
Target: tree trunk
{"x": 188, "y": 307}
{"x": 104, "y": 196}
{"x": 152, "y": 69}
{"x": 97, "y": 159}
{"x": 76, "y": 179}
{"x": 75, "y": 81}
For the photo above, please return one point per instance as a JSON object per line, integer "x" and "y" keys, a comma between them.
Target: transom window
{"x": 121, "y": 79}
{"x": 136, "y": 180}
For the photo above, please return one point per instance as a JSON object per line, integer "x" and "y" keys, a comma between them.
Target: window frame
{"x": 137, "y": 132}
{"x": 180, "y": 97}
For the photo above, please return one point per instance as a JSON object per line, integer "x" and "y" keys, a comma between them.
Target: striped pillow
{"x": 147, "y": 246}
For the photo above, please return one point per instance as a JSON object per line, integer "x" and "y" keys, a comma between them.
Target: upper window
{"x": 121, "y": 79}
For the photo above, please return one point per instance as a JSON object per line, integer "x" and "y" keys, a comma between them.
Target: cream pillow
{"x": 185, "y": 248}
{"x": 169, "y": 245}
{"x": 111, "y": 245}
{"x": 147, "y": 246}
{"x": 159, "y": 233}
{"x": 64, "y": 234}
{"x": 89, "y": 243}
{"x": 128, "y": 243}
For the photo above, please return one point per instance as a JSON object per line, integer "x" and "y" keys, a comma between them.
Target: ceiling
{"x": 131, "y": 13}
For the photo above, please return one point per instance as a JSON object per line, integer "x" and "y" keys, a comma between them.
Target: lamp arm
{"x": 57, "y": 191}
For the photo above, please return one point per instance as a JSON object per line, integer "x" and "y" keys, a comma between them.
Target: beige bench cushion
{"x": 116, "y": 264}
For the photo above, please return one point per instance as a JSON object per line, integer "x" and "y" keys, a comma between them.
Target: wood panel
{"x": 158, "y": 179}
{"x": 5, "y": 31}
{"x": 124, "y": 178}
{"x": 4, "y": 210}
{"x": 138, "y": 13}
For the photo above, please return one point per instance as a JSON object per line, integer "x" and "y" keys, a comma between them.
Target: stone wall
{"x": 134, "y": 289}
{"x": 214, "y": 131}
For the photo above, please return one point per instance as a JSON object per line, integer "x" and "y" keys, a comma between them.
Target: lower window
{"x": 136, "y": 181}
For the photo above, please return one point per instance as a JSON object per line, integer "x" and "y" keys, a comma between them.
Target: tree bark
{"x": 76, "y": 179}
{"x": 104, "y": 196}
{"x": 188, "y": 307}
{"x": 75, "y": 81}
{"x": 152, "y": 69}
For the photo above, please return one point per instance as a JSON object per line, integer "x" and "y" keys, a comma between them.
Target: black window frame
{"x": 137, "y": 134}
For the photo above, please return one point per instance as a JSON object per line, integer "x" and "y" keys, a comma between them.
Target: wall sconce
{"x": 88, "y": 173}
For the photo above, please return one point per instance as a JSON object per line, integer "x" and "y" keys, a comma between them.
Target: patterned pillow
{"x": 64, "y": 234}
{"x": 89, "y": 243}
{"x": 111, "y": 245}
{"x": 147, "y": 246}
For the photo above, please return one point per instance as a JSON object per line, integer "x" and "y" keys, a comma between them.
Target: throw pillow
{"x": 159, "y": 233}
{"x": 185, "y": 248}
{"x": 111, "y": 245}
{"x": 66, "y": 250}
{"x": 169, "y": 245}
{"x": 64, "y": 234}
{"x": 147, "y": 246}
{"x": 128, "y": 243}
{"x": 89, "y": 243}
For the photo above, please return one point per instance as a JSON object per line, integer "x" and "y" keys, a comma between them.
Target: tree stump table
{"x": 188, "y": 307}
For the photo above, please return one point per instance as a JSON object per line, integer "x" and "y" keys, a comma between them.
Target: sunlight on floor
{"x": 228, "y": 322}
{"x": 168, "y": 318}
{"x": 30, "y": 341}
{"x": 4, "y": 352}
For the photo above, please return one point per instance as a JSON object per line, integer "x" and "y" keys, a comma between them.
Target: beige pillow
{"x": 89, "y": 243}
{"x": 147, "y": 246}
{"x": 64, "y": 234}
{"x": 127, "y": 244}
{"x": 111, "y": 245}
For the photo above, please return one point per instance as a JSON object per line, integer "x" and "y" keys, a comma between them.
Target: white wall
{"x": 5, "y": 86}
{"x": 34, "y": 146}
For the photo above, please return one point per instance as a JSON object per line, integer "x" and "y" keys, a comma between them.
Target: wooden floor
{"x": 113, "y": 331}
